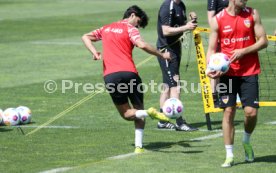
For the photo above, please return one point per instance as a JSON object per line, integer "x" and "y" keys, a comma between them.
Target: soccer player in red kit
{"x": 120, "y": 74}
{"x": 241, "y": 35}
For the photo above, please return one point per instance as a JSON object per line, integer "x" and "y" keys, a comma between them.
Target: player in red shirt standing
{"x": 241, "y": 35}
{"x": 120, "y": 74}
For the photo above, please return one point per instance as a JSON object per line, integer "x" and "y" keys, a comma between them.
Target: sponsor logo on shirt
{"x": 227, "y": 29}
{"x": 107, "y": 29}
{"x": 114, "y": 30}
{"x": 228, "y": 41}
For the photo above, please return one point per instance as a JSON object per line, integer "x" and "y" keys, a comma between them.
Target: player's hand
{"x": 191, "y": 25}
{"x": 193, "y": 15}
{"x": 214, "y": 74}
{"x": 236, "y": 55}
{"x": 97, "y": 56}
{"x": 166, "y": 55}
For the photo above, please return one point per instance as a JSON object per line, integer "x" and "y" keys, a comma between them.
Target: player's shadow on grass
{"x": 4, "y": 129}
{"x": 162, "y": 146}
{"x": 216, "y": 125}
{"x": 268, "y": 159}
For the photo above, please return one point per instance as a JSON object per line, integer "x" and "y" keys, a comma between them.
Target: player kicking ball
{"x": 120, "y": 74}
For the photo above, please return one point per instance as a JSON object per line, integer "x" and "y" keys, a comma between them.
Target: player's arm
{"x": 165, "y": 23}
{"x": 260, "y": 34}
{"x": 261, "y": 39}
{"x": 151, "y": 50}
{"x": 136, "y": 40}
{"x": 213, "y": 38}
{"x": 87, "y": 39}
{"x": 211, "y": 9}
{"x": 171, "y": 31}
{"x": 213, "y": 41}
{"x": 210, "y": 15}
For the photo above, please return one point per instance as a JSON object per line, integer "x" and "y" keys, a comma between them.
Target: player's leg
{"x": 165, "y": 93}
{"x": 227, "y": 95}
{"x": 214, "y": 83}
{"x": 175, "y": 88}
{"x": 250, "y": 101}
{"x": 139, "y": 127}
{"x": 136, "y": 97}
{"x": 181, "y": 124}
{"x": 139, "y": 123}
{"x": 250, "y": 121}
{"x": 116, "y": 84}
{"x": 228, "y": 134}
{"x": 120, "y": 98}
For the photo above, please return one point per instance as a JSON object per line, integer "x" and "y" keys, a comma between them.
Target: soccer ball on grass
{"x": 25, "y": 114}
{"x": 11, "y": 117}
{"x": 173, "y": 108}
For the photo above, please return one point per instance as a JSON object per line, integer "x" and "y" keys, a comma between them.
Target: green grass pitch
{"x": 41, "y": 41}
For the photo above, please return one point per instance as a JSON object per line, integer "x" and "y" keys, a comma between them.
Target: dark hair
{"x": 139, "y": 13}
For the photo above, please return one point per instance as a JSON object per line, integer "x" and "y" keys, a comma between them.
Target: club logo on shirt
{"x": 247, "y": 23}
{"x": 225, "y": 99}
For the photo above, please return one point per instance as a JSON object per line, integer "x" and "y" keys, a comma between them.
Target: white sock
{"x": 139, "y": 137}
{"x": 229, "y": 151}
{"x": 246, "y": 137}
{"x": 141, "y": 113}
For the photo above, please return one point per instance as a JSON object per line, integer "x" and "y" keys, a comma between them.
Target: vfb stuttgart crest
{"x": 225, "y": 99}
{"x": 247, "y": 23}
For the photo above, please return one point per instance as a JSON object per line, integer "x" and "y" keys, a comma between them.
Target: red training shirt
{"x": 118, "y": 40}
{"x": 236, "y": 32}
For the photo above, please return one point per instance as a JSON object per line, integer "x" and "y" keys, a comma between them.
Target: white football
{"x": 25, "y": 114}
{"x": 173, "y": 108}
{"x": 218, "y": 62}
{"x": 11, "y": 117}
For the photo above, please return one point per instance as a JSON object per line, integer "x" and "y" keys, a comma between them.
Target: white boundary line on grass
{"x": 123, "y": 156}
{"x": 272, "y": 122}
{"x": 207, "y": 137}
{"x": 57, "y": 170}
{"x": 51, "y": 127}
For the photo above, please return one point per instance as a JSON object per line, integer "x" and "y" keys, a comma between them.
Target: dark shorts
{"x": 170, "y": 68}
{"x": 123, "y": 86}
{"x": 246, "y": 86}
